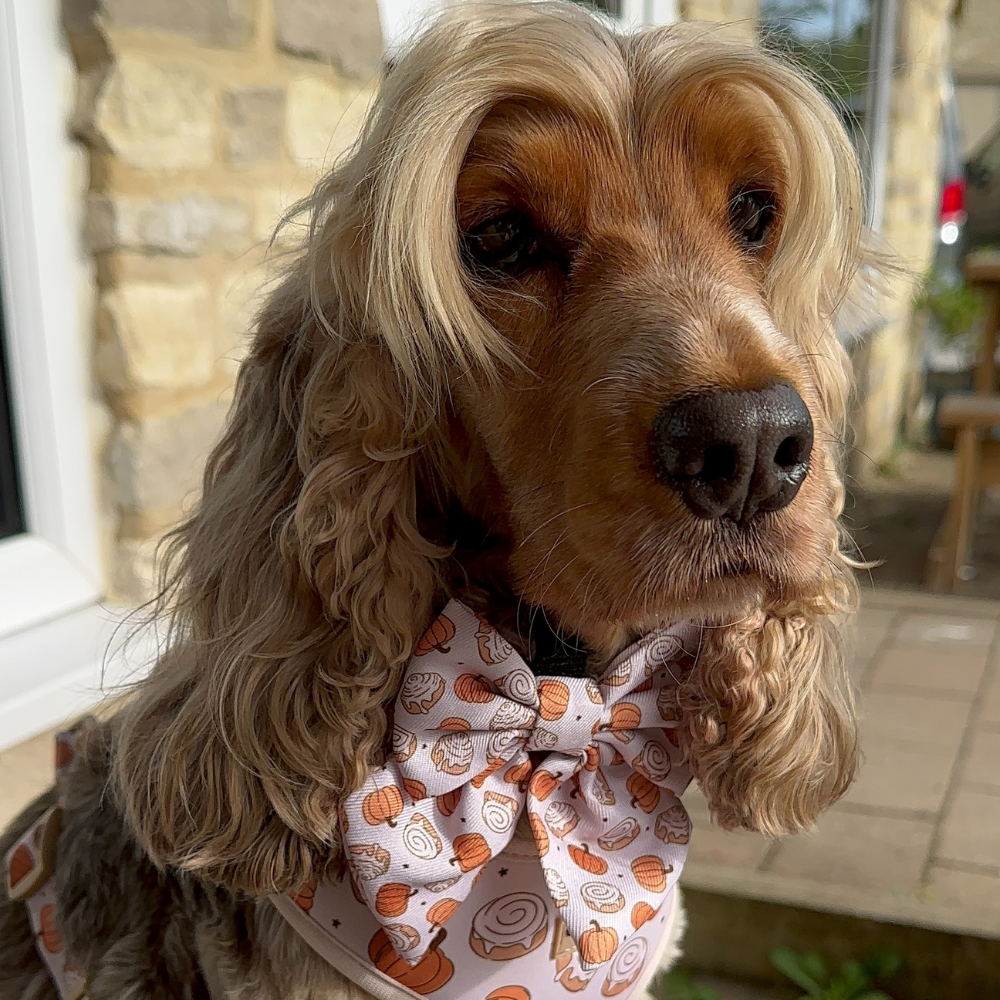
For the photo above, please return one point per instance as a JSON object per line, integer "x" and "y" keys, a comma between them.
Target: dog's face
{"x": 650, "y": 467}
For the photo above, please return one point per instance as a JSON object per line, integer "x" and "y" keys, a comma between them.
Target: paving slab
{"x": 881, "y": 853}
{"x": 929, "y": 668}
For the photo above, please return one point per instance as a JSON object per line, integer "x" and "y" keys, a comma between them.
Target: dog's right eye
{"x": 503, "y": 243}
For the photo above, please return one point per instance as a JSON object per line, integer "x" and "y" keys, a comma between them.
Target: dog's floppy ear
{"x": 296, "y": 589}
{"x": 769, "y": 720}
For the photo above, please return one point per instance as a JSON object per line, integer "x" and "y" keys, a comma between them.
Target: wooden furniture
{"x": 977, "y": 455}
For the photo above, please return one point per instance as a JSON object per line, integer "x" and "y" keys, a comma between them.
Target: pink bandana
{"x": 601, "y": 800}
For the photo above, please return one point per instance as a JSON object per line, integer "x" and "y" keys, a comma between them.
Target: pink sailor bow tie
{"x": 602, "y": 804}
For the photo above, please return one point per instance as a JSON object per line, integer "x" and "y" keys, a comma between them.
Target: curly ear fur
{"x": 769, "y": 714}
{"x": 267, "y": 707}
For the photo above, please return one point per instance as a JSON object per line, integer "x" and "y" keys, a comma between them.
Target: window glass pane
{"x": 11, "y": 520}
{"x": 830, "y": 40}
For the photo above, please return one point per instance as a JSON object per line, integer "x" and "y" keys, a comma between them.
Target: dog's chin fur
{"x": 408, "y": 428}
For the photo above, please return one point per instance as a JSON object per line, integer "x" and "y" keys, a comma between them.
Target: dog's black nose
{"x": 734, "y": 453}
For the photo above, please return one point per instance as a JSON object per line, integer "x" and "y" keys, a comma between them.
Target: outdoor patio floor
{"x": 916, "y": 841}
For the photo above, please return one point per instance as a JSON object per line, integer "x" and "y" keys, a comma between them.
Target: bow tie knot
{"x": 602, "y": 803}
{"x": 570, "y": 714}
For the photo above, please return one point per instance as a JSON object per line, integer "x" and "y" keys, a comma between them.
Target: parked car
{"x": 983, "y": 193}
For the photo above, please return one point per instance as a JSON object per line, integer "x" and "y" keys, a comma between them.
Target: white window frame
{"x": 54, "y": 635}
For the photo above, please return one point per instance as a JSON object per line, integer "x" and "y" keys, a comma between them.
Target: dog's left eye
{"x": 751, "y": 214}
{"x": 505, "y": 242}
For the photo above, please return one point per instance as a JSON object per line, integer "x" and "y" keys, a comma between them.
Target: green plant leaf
{"x": 883, "y": 964}
{"x": 679, "y": 984}
{"x": 955, "y": 308}
{"x": 854, "y": 978}
{"x": 800, "y": 970}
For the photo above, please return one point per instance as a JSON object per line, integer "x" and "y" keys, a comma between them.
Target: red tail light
{"x": 953, "y": 201}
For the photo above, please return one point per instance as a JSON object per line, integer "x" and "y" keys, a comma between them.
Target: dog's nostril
{"x": 734, "y": 453}
{"x": 720, "y": 462}
{"x": 788, "y": 453}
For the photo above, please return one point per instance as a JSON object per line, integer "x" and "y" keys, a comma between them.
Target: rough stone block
{"x": 158, "y": 463}
{"x": 156, "y": 117}
{"x": 157, "y": 336}
{"x": 241, "y": 296}
{"x": 269, "y": 207}
{"x": 255, "y": 124}
{"x": 323, "y": 120}
{"x": 226, "y": 23}
{"x": 187, "y": 226}
{"x": 133, "y": 570}
{"x": 347, "y": 33}
{"x": 737, "y": 18}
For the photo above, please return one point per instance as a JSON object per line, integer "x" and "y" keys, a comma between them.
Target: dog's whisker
{"x": 548, "y": 521}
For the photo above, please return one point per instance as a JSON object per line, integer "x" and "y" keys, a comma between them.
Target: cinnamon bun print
{"x": 626, "y": 966}
{"x": 509, "y": 927}
{"x": 520, "y": 686}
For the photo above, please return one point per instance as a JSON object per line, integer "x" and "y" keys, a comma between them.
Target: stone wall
{"x": 888, "y": 368}
{"x": 740, "y": 17}
{"x": 203, "y": 122}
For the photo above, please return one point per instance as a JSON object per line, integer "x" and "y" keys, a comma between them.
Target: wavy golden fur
{"x": 407, "y": 428}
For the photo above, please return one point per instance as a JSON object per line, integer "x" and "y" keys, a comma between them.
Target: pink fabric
{"x": 29, "y": 865}
{"x": 600, "y": 789}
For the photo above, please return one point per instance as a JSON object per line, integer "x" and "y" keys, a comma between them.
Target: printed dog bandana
{"x": 590, "y": 760}
{"x": 29, "y": 865}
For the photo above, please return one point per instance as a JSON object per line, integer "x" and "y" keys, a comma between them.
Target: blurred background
{"x": 148, "y": 149}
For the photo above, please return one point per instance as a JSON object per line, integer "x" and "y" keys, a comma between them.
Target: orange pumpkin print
{"x": 442, "y": 911}
{"x": 644, "y": 793}
{"x": 591, "y": 863}
{"x": 471, "y": 851}
{"x": 510, "y": 993}
{"x": 542, "y": 784}
{"x": 651, "y": 873}
{"x": 432, "y": 972}
{"x": 417, "y": 790}
{"x": 473, "y": 688}
{"x": 553, "y": 699}
{"x": 540, "y": 834}
{"x": 598, "y": 944}
{"x": 491, "y": 768}
{"x": 382, "y": 806}
{"x": 617, "y": 759}
{"x": 21, "y": 864}
{"x": 624, "y": 716}
{"x": 642, "y": 913}
{"x": 440, "y": 632}
{"x": 518, "y": 774}
{"x": 51, "y": 938}
{"x": 455, "y": 724}
{"x": 303, "y": 898}
{"x": 64, "y": 751}
{"x": 393, "y": 898}
{"x": 592, "y": 757}
{"x": 448, "y": 802}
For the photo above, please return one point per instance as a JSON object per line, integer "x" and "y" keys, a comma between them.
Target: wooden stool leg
{"x": 968, "y": 481}
{"x": 950, "y": 550}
